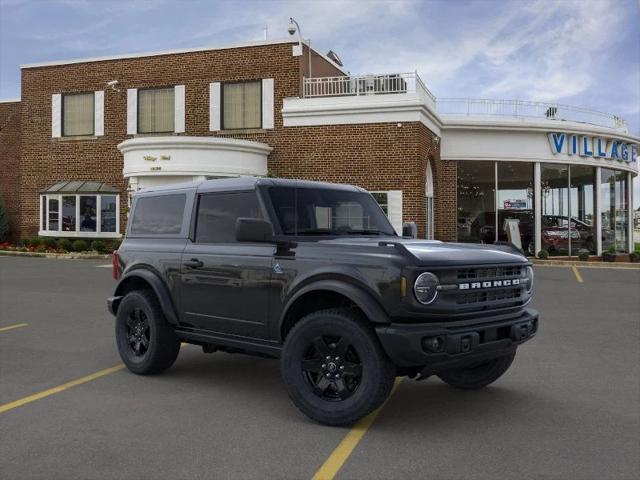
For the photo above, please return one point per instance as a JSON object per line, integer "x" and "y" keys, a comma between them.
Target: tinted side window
{"x": 218, "y": 212}
{"x": 161, "y": 215}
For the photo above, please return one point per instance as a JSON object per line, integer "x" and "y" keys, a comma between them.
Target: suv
{"x": 314, "y": 274}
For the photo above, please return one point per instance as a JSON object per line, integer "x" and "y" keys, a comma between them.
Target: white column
{"x": 598, "y": 218}
{"x": 537, "y": 207}
{"x": 630, "y": 212}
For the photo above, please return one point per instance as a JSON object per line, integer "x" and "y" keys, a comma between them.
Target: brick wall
{"x": 373, "y": 156}
{"x": 10, "y": 163}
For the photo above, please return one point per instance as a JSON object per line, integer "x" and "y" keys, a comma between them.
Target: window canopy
{"x": 80, "y": 186}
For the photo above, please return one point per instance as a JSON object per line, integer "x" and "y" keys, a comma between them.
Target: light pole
{"x": 293, "y": 28}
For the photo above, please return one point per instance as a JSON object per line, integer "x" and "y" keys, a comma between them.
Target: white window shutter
{"x": 214, "y": 106}
{"x": 56, "y": 115}
{"x": 132, "y": 111}
{"x": 267, "y": 103}
{"x": 394, "y": 209}
{"x": 179, "y": 109}
{"x": 98, "y": 112}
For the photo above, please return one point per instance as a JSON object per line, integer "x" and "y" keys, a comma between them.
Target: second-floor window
{"x": 78, "y": 114}
{"x": 242, "y": 105}
{"x": 156, "y": 112}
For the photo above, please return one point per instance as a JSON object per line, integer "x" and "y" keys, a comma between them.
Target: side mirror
{"x": 254, "y": 230}
{"x": 410, "y": 230}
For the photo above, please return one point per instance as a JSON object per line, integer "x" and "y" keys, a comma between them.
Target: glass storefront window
{"x": 54, "y": 206}
{"x": 582, "y": 206}
{"x": 515, "y": 201}
{"x": 88, "y": 213}
{"x": 614, "y": 210}
{"x": 554, "y": 190}
{"x": 476, "y": 202}
{"x": 108, "y": 213}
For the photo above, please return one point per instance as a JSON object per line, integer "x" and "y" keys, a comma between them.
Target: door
{"x": 225, "y": 284}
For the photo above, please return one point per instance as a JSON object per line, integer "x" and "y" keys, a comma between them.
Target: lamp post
{"x": 293, "y": 28}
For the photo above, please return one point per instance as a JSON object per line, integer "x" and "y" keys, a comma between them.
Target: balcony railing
{"x": 471, "y": 107}
{"x": 356, "y": 85}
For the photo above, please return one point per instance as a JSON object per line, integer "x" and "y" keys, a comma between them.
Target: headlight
{"x": 529, "y": 275}
{"x": 426, "y": 288}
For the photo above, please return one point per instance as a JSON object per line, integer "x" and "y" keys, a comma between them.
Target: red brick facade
{"x": 382, "y": 156}
{"x": 10, "y": 163}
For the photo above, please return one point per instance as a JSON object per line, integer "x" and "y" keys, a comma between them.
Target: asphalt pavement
{"x": 569, "y": 407}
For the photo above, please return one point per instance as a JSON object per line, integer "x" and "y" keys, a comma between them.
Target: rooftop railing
{"x": 472, "y": 107}
{"x": 398, "y": 83}
{"x": 356, "y": 85}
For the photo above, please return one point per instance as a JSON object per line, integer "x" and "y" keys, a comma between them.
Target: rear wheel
{"x": 478, "y": 376}
{"x": 334, "y": 367}
{"x": 146, "y": 342}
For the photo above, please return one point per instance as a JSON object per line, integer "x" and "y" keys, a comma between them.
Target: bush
{"x": 583, "y": 255}
{"x": 4, "y": 223}
{"x": 48, "y": 242}
{"x": 114, "y": 244}
{"x": 543, "y": 254}
{"x": 29, "y": 242}
{"x": 612, "y": 249}
{"x": 98, "y": 246}
{"x": 80, "y": 246}
{"x": 65, "y": 244}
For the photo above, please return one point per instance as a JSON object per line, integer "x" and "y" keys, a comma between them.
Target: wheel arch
{"x": 323, "y": 294}
{"x": 142, "y": 278}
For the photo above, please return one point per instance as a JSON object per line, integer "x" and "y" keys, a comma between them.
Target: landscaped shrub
{"x": 65, "y": 244}
{"x": 114, "y": 244}
{"x": 543, "y": 254}
{"x": 80, "y": 246}
{"x": 27, "y": 242}
{"x": 583, "y": 255}
{"x": 48, "y": 242}
{"x": 98, "y": 246}
{"x": 4, "y": 223}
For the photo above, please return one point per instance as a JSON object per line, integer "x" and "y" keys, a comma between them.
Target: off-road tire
{"x": 163, "y": 344}
{"x": 376, "y": 377}
{"x": 478, "y": 376}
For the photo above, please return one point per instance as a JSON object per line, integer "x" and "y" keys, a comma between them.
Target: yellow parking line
{"x": 334, "y": 463}
{"x": 577, "y": 274}
{"x": 60, "y": 388}
{"x": 11, "y": 327}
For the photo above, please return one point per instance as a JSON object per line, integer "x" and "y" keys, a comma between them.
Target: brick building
{"x": 86, "y": 134}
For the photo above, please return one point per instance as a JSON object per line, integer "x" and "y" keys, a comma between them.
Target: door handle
{"x": 193, "y": 263}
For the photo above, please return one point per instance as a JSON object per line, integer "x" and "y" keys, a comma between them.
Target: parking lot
{"x": 568, "y": 408}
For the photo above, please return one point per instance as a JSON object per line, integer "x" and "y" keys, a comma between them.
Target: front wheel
{"x": 334, "y": 367}
{"x": 146, "y": 342}
{"x": 477, "y": 376}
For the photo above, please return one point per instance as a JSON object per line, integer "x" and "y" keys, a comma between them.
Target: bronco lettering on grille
{"x": 491, "y": 284}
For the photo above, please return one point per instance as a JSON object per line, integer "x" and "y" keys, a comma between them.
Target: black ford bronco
{"x": 314, "y": 274}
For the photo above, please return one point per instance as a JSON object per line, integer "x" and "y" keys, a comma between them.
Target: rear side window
{"x": 218, "y": 212}
{"x": 161, "y": 215}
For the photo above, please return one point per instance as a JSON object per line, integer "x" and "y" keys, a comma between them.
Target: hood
{"x": 433, "y": 252}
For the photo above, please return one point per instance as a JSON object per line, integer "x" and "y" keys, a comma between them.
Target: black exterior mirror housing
{"x": 254, "y": 230}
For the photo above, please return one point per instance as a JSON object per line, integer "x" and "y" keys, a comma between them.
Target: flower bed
{"x": 62, "y": 245}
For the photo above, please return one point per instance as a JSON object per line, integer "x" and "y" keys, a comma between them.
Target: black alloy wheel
{"x": 332, "y": 367}
{"x": 138, "y": 334}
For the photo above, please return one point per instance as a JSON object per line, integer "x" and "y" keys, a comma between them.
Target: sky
{"x": 582, "y": 52}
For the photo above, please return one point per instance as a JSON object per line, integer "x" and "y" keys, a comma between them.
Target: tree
{"x": 4, "y": 222}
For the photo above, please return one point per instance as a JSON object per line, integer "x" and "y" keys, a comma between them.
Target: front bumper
{"x": 441, "y": 346}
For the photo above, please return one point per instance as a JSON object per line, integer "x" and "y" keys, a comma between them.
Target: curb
{"x": 58, "y": 256}
{"x": 577, "y": 263}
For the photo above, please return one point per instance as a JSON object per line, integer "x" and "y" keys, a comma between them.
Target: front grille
{"x": 488, "y": 296}
{"x": 489, "y": 273}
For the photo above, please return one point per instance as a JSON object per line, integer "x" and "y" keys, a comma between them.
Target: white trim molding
{"x": 214, "y": 107}
{"x": 179, "y": 109}
{"x": 56, "y": 115}
{"x": 267, "y": 103}
{"x": 193, "y": 156}
{"x": 98, "y": 112}
{"x": 132, "y": 111}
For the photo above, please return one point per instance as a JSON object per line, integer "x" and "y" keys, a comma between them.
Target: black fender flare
{"x": 360, "y": 297}
{"x": 158, "y": 287}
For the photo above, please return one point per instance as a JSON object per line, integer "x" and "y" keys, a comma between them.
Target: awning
{"x": 80, "y": 186}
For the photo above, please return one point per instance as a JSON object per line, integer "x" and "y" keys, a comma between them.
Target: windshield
{"x": 323, "y": 211}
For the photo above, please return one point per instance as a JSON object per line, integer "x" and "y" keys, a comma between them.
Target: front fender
{"x": 156, "y": 284}
{"x": 364, "y": 300}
